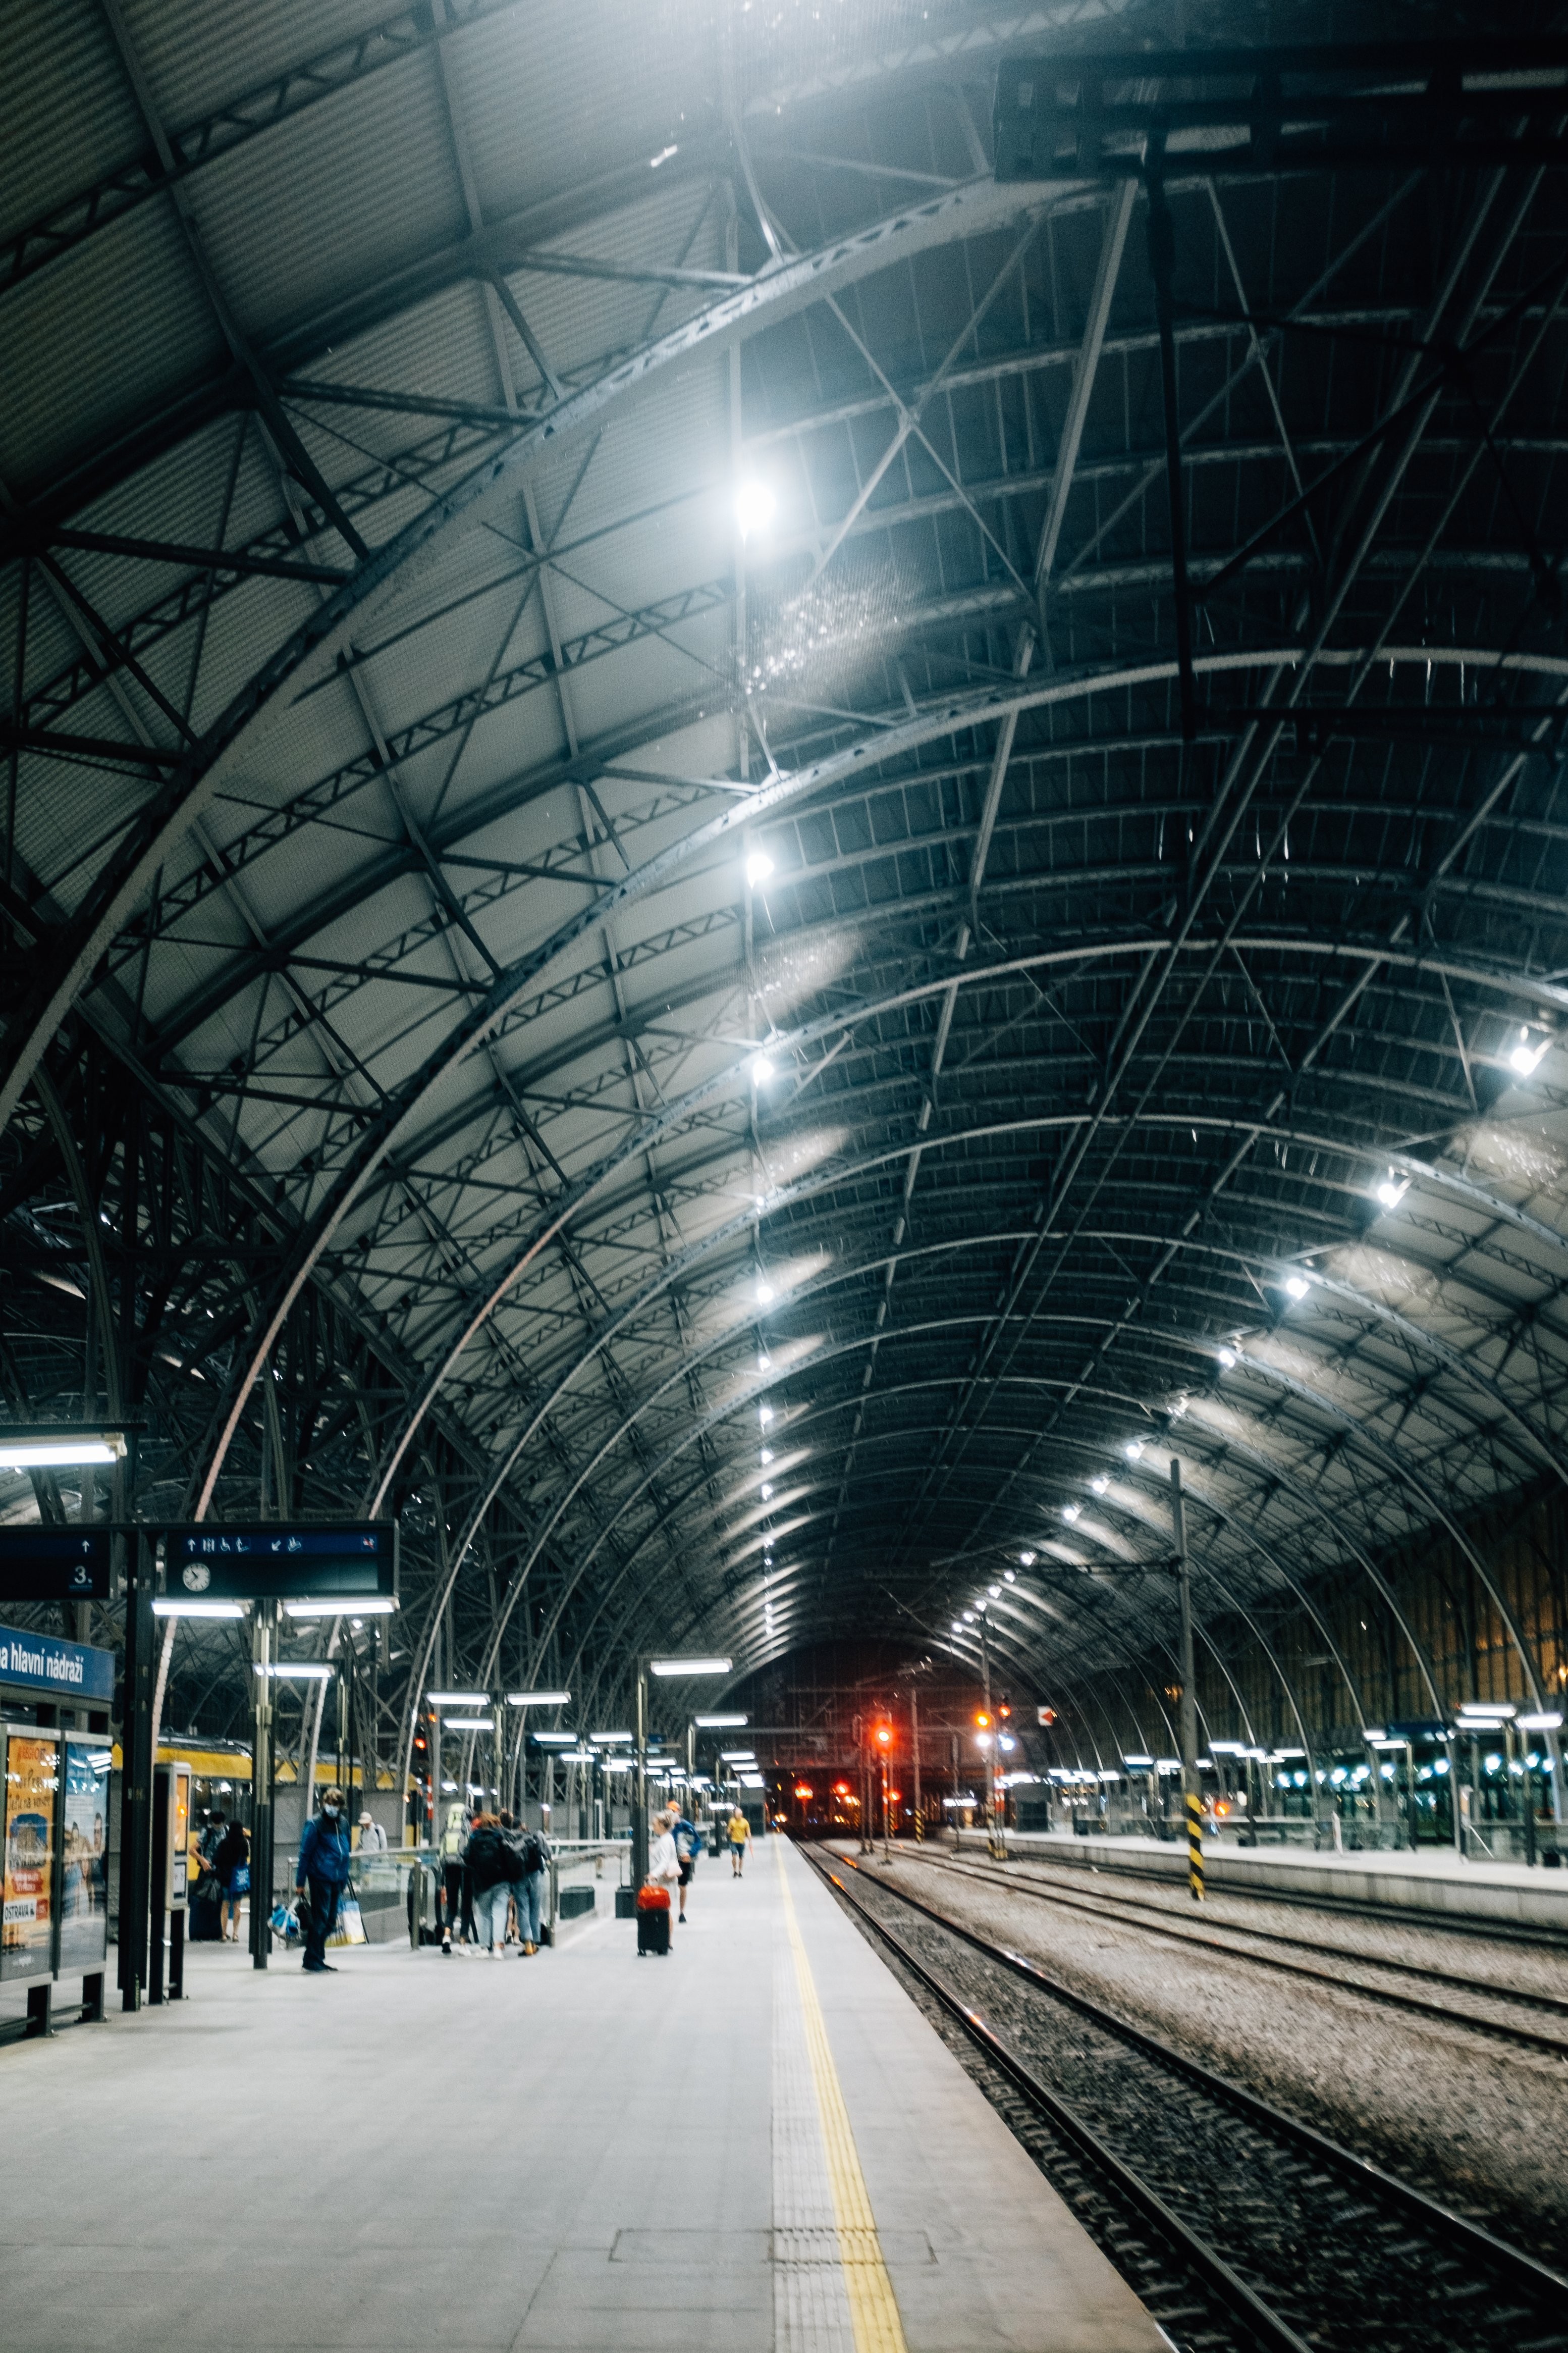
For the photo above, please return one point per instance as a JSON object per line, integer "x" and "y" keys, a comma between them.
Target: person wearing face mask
{"x": 323, "y": 1875}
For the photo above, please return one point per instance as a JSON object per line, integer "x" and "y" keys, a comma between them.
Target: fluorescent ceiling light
{"x": 604, "y": 1739}
{"x": 617, "y": 1764}
{"x": 737, "y": 1755}
{"x": 556, "y": 1739}
{"x": 1502, "y": 1707}
{"x": 1391, "y": 1189}
{"x": 1296, "y": 1286}
{"x": 719, "y": 1723}
{"x": 309, "y": 1671}
{"x": 1070, "y": 1512}
{"x": 759, "y": 866}
{"x": 1547, "y": 1720}
{"x": 1026, "y": 1560}
{"x": 1227, "y": 1359}
{"x": 37, "y": 1452}
{"x": 199, "y": 1608}
{"x": 1139, "y": 1764}
{"x": 689, "y": 1666}
{"x": 762, "y": 1070}
{"x": 467, "y": 1724}
{"x": 1099, "y": 1483}
{"x": 1527, "y": 1053}
{"x": 1133, "y": 1449}
{"x": 458, "y": 1699}
{"x": 538, "y": 1699}
{"x": 369, "y": 1605}
{"x": 578, "y": 1756}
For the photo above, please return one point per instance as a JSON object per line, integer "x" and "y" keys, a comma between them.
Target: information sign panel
{"x": 54, "y": 1563}
{"x": 273, "y": 1562}
{"x": 32, "y": 1789}
{"x": 56, "y": 1670}
{"x": 84, "y": 1841}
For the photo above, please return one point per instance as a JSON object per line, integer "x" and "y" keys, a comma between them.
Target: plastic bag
{"x": 286, "y": 1924}
{"x": 348, "y": 1929}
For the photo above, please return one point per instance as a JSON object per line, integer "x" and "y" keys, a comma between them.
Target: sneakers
{"x": 446, "y": 1946}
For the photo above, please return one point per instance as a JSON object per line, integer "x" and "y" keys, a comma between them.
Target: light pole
{"x": 1191, "y": 1793}
{"x": 994, "y": 1840}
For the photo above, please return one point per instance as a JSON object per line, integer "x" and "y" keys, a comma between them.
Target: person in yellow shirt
{"x": 740, "y": 1837}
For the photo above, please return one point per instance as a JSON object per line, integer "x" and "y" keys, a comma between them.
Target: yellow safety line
{"x": 873, "y": 2308}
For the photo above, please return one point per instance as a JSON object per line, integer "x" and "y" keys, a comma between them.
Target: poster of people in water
{"x": 32, "y": 1784}
{"x": 84, "y": 1868}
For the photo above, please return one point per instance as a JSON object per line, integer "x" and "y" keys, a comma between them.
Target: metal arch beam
{"x": 309, "y": 652}
{"x": 658, "y": 1128}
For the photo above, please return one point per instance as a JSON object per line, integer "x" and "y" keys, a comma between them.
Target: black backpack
{"x": 533, "y": 1854}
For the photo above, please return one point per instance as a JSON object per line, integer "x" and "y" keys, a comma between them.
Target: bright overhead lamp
{"x": 1139, "y": 1764}
{"x": 762, "y": 1070}
{"x": 309, "y": 1671}
{"x": 759, "y": 866}
{"x": 1228, "y": 1747}
{"x": 1547, "y": 1719}
{"x": 1391, "y": 1189}
{"x": 1099, "y": 1483}
{"x": 458, "y": 1699}
{"x": 617, "y": 1764}
{"x": 467, "y": 1724}
{"x": 994, "y": 1591}
{"x": 755, "y": 507}
{"x": 1026, "y": 1560}
{"x": 1527, "y": 1053}
{"x": 59, "y": 1450}
{"x": 555, "y": 1739}
{"x": 767, "y": 1488}
{"x": 737, "y": 1757}
{"x": 765, "y": 1291}
{"x": 1070, "y": 1512}
{"x": 764, "y": 1414}
{"x": 1498, "y": 1707}
{"x": 956, "y": 1626}
{"x": 1133, "y": 1449}
{"x": 1227, "y": 1359}
{"x": 1009, "y": 1577}
{"x": 538, "y": 1699}
{"x": 370, "y": 1605}
{"x": 607, "y": 1739}
{"x": 1296, "y": 1286}
{"x": 717, "y": 1722}
{"x": 173, "y": 1609}
{"x": 577, "y": 1756}
{"x": 689, "y": 1666}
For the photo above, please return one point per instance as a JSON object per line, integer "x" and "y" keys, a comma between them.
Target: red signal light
{"x": 884, "y": 1735}
{"x": 804, "y": 1789}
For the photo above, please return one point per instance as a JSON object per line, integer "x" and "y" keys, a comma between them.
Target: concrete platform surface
{"x": 758, "y": 2143}
{"x": 1434, "y": 1880}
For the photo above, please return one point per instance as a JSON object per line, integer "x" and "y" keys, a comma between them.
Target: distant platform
{"x": 1434, "y": 1880}
{"x": 756, "y": 2144}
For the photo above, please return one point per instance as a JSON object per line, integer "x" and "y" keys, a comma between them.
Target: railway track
{"x": 1295, "y": 2242}
{"x": 1155, "y": 1919}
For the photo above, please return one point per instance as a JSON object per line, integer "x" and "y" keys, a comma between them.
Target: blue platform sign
{"x": 54, "y": 1670}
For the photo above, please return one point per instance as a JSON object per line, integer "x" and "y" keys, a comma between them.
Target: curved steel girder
{"x": 652, "y": 1130}
{"x": 398, "y": 565}
{"x": 1438, "y": 1511}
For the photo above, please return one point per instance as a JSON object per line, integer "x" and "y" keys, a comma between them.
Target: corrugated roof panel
{"x": 70, "y": 115}
{"x": 198, "y": 59}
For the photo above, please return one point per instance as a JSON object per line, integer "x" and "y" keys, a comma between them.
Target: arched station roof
{"x": 597, "y": 716}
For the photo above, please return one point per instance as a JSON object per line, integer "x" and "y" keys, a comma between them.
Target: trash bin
{"x": 653, "y": 1920}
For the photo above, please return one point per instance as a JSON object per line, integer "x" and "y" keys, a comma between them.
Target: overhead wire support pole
{"x": 1191, "y": 1794}
{"x": 1162, "y": 266}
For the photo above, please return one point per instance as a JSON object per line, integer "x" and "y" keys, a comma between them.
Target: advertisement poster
{"x": 32, "y": 1782}
{"x": 84, "y": 1878}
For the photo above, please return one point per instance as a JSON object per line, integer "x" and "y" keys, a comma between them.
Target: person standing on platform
{"x": 231, "y": 1868}
{"x": 372, "y": 1836}
{"x": 663, "y": 1861}
{"x": 455, "y": 1884}
{"x": 684, "y": 1835}
{"x": 323, "y": 1875}
{"x": 739, "y": 1837}
{"x": 490, "y": 1862}
{"x": 532, "y": 1850}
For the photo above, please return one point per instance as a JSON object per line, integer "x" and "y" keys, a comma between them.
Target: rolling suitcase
{"x": 653, "y": 1920}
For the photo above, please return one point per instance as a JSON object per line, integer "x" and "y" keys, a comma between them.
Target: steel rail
{"x": 1536, "y": 2279}
{"x": 1161, "y": 1923}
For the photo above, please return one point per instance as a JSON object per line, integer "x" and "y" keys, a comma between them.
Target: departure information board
{"x": 275, "y": 1560}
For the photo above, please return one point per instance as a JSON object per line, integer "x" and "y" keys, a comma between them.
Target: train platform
{"x": 757, "y": 2143}
{"x": 1434, "y": 1880}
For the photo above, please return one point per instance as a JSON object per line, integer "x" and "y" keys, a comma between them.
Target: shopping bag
{"x": 348, "y": 1929}
{"x": 286, "y": 1924}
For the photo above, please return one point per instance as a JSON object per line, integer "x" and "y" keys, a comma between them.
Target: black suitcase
{"x": 653, "y": 1932}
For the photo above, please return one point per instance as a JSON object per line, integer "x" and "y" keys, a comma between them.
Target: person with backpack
{"x": 684, "y": 1835}
{"x": 455, "y": 1887}
{"x": 533, "y": 1848}
{"x": 491, "y": 1863}
{"x": 230, "y": 1866}
{"x": 322, "y": 1877}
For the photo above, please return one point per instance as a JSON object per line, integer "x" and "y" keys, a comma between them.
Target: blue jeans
{"x": 490, "y": 1914}
{"x": 528, "y": 1893}
{"x": 321, "y": 1913}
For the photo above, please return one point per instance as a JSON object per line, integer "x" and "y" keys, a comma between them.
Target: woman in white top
{"x": 663, "y": 1862}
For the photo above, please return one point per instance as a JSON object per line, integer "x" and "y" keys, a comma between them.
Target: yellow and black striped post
{"x": 1194, "y": 1846}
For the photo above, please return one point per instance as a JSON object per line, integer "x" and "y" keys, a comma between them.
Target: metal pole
{"x": 993, "y": 1752}
{"x": 1191, "y": 1792}
{"x": 136, "y": 1773}
{"x": 639, "y": 1782}
{"x": 915, "y": 1760}
{"x": 263, "y": 1626}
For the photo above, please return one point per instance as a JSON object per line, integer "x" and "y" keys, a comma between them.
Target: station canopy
{"x": 838, "y": 848}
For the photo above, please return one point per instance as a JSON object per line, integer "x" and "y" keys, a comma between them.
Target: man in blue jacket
{"x": 323, "y": 1875}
